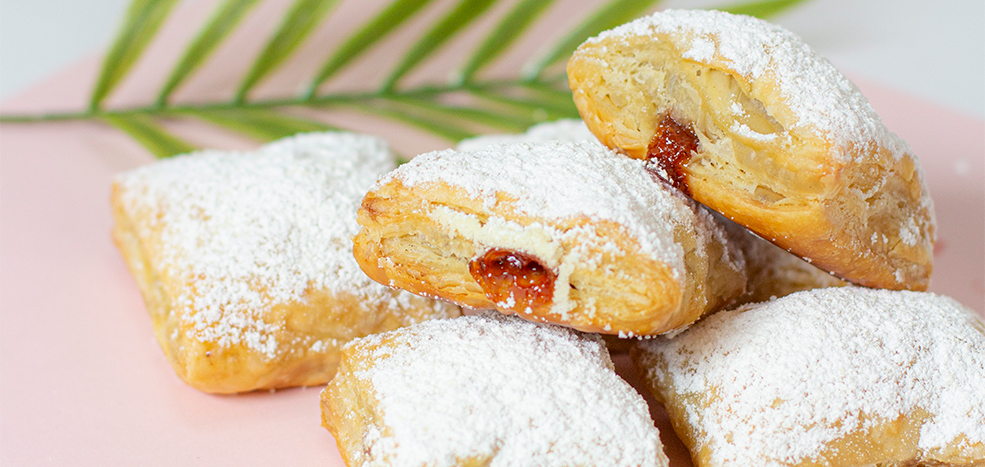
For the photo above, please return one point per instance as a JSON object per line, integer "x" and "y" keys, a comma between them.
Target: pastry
{"x": 830, "y": 377}
{"x": 245, "y": 264}
{"x": 486, "y": 390}
{"x": 771, "y": 271}
{"x": 745, "y": 118}
{"x": 568, "y": 129}
{"x": 567, "y": 233}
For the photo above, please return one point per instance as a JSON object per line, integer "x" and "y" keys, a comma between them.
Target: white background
{"x": 931, "y": 49}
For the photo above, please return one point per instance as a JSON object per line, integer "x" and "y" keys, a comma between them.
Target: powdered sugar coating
{"x": 781, "y": 379}
{"x": 492, "y": 386}
{"x": 569, "y": 129}
{"x": 546, "y": 184}
{"x": 820, "y": 97}
{"x": 248, "y": 231}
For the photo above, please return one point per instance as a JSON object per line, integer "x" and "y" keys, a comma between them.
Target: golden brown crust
{"x": 421, "y": 238}
{"x": 244, "y": 260}
{"x": 859, "y": 210}
{"x": 486, "y": 390}
{"x": 401, "y": 245}
{"x": 738, "y": 393}
{"x": 320, "y": 316}
{"x": 342, "y": 407}
{"x": 886, "y": 443}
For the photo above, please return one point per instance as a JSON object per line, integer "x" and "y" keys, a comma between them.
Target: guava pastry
{"x": 747, "y": 119}
{"x": 833, "y": 377}
{"x": 567, "y": 233}
{"x": 245, "y": 260}
{"x": 771, "y": 271}
{"x": 486, "y": 390}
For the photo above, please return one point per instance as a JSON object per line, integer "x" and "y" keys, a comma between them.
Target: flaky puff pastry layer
{"x": 623, "y": 253}
{"x": 785, "y": 144}
{"x": 771, "y": 271}
{"x": 244, "y": 260}
{"x": 838, "y": 377}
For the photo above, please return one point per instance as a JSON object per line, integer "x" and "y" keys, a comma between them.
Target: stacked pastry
{"x": 252, "y": 269}
{"x": 746, "y": 119}
{"x": 737, "y": 115}
{"x": 566, "y": 232}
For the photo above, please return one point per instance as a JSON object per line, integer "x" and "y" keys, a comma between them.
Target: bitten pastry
{"x": 831, "y": 377}
{"x": 245, "y": 263}
{"x": 568, "y": 233}
{"x": 744, "y": 117}
{"x": 486, "y": 390}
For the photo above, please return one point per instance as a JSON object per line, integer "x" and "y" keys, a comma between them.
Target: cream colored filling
{"x": 496, "y": 232}
{"x": 544, "y": 242}
{"x": 731, "y": 108}
{"x": 741, "y": 134}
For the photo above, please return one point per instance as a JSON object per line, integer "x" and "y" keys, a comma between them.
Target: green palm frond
{"x": 608, "y": 16}
{"x": 300, "y": 20}
{"x": 465, "y": 105}
{"x": 226, "y": 17}
{"x": 146, "y": 131}
{"x": 383, "y": 24}
{"x": 260, "y": 124}
{"x": 436, "y": 123}
{"x": 464, "y": 13}
{"x": 143, "y": 19}
{"x": 509, "y": 30}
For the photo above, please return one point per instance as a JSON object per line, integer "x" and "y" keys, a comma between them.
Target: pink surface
{"x": 82, "y": 380}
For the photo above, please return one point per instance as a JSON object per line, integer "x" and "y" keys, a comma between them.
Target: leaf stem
{"x": 321, "y": 101}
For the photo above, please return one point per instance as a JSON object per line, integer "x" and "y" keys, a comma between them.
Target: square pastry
{"x": 486, "y": 390}
{"x": 245, "y": 259}
{"x": 837, "y": 377}
{"x": 744, "y": 117}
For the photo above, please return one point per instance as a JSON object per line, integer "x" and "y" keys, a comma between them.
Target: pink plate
{"x": 84, "y": 382}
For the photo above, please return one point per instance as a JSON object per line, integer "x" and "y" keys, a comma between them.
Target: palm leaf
{"x": 509, "y": 30}
{"x": 299, "y": 21}
{"x": 554, "y": 98}
{"x": 523, "y": 112}
{"x": 761, "y": 9}
{"x": 226, "y": 17}
{"x": 143, "y": 129}
{"x": 608, "y": 16}
{"x": 538, "y": 111}
{"x": 464, "y": 13}
{"x": 462, "y": 108}
{"x": 439, "y": 125}
{"x": 143, "y": 19}
{"x": 260, "y": 124}
{"x": 557, "y": 103}
{"x": 502, "y": 121}
{"x": 388, "y": 20}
